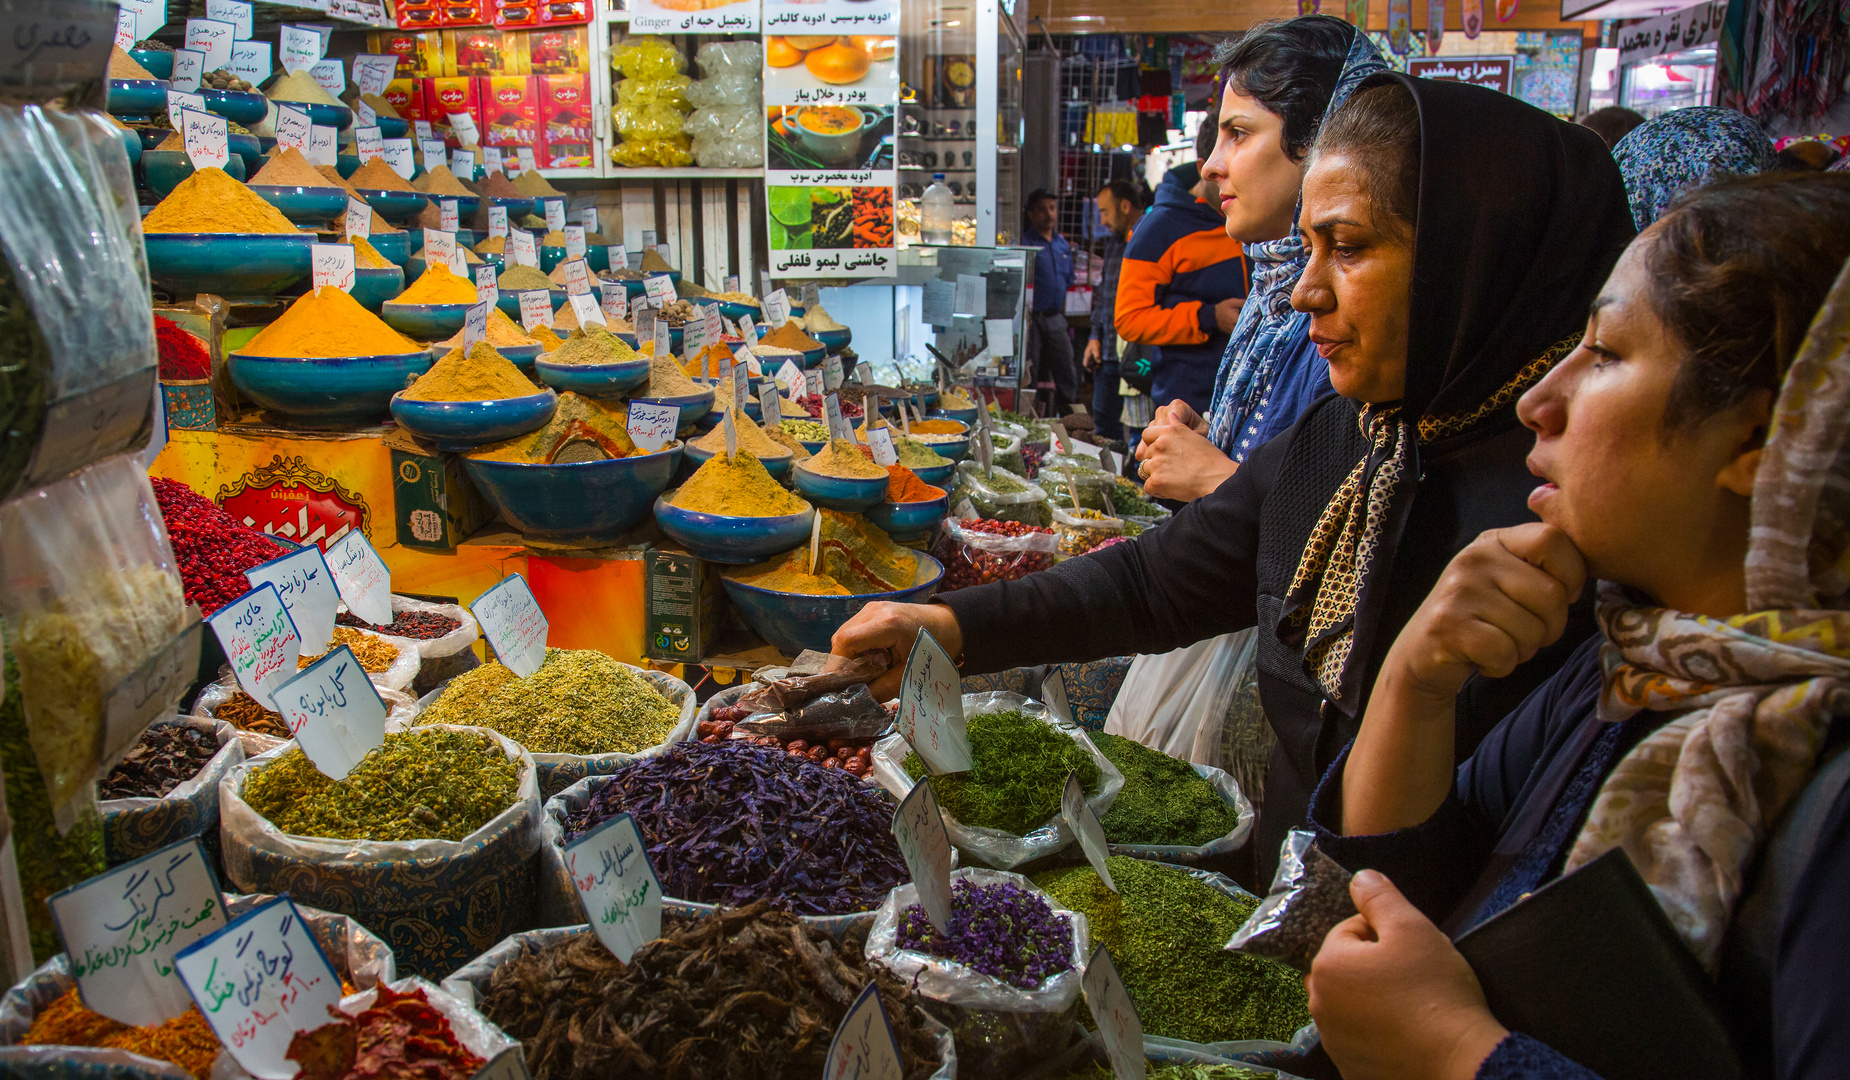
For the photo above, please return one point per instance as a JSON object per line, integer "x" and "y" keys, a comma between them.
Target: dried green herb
{"x": 579, "y": 702}
{"x": 1193, "y": 1070}
{"x": 25, "y": 375}
{"x": 1165, "y": 930}
{"x": 1018, "y": 771}
{"x": 418, "y": 785}
{"x": 1163, "y": 801}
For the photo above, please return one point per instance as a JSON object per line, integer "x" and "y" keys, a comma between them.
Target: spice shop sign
{"x": 1495, "y": 72}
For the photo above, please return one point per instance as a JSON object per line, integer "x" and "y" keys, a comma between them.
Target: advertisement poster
{"x": 831, "y": 83}
{"x": 694, "y": 16}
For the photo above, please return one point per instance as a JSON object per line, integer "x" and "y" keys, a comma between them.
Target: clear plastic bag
{"x": 993, "y": 846}
{"x": 730, "y": 59}
{"x": 400, "y": 709}
{"x": 1236, "y": 838}
{"x": 728, "y": 92}
{"x": 974, "y": 557}
{"x": 1077, "y": 533}
{"x": 1310, "y": 895}
{"x": 90, "y": 595}
{"x": 78, "y": 367}
{"x": 404, "y": 669}
{"x": 134, "y": 827}
{"x": 444, "y": 657}
{"x": 645, "y": 56}
{"x": 726, "y": 136}
{"x": 998, "y": 1027}
{"x": 1028, "y": 506}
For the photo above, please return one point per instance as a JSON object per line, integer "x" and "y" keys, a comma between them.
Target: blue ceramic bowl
{"x": 424, "y": 322}
{"x": 246, "y": 107}
{"x": 733, "y": 311}
{"x": 833, "y": 340}
{"x": 131, "y": 142}
{"x": 909, "y": 521}
{"x": 375, "y": 286}
{"x": 598, "y": 256}
{"x": 752, "y": 408}
{"x": 601, "y": 381}
{"x": 521, "y": 356}
{"x": 936, "y": 475}
{"x": 395, "y": 246}
{"x": 164, "y": 169}
{"x": 393, "y": 127}
{"x": 137, "y": 97}
{"x": 304, "y": 205}
{"x": 925, "y": 399}
{"x": 250, "y": 149}
{"x": 633, "y": 289}
{"x": 736, "y": 540}
{"x": 471, "y": 237}
{"x": 816, "y": 447}
{"x": 154, "y": 61}
{"x": 465, "y": 207}
{"x": 778, "y": 467}
{"x": 591, "y": 500}
{"x": 341, "y": 392}
{"x": 236, "y": 266}
{"x": 965, "y": 416}
{"x": 550, "y": 258}
{"x": 692, "y": 406}
{"x": 347, "y": 165}
{"x": 840, "y": 492}
{"x": 814, "y": 357}
{"x": 509, "y": 303}
{"x": 956, "y": 451}
{"x": 397, "y": 207}
{"x": 465, "y": 425}
{"x": 337, "y": 117}
{"x": 516, "y": 208}
{"x": 793, "y": 622}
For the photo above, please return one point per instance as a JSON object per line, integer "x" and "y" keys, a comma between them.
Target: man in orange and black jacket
{"x": 1181, "y": 285}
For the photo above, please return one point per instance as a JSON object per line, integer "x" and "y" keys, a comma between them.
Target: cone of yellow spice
{"x": 213, "y": 201}
{"x": 324, "y": 323}
{"x": 751, "y": 438}
{"x": 503, "y": 333}
{"x": 578, "y": 420}
{"x": 481, "y": 374}
{"x": 738, "y": 488}
{"x": 437, "y": 286}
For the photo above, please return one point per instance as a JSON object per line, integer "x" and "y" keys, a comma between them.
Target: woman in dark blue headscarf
{"x": 1687, "y": 148}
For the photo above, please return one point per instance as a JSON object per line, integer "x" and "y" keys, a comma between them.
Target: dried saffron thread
{"x": 186, "y": 1040}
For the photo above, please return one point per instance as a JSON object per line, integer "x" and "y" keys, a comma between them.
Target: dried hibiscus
{"x": 398, "y": 1037}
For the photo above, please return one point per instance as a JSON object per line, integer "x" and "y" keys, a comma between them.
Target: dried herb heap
{"x": 418, "y": 625}
{"x": 397, "y": 1036}
{"x": 1193, "y": 1070}
{"x": 747, "y": 994}
{"x": 1163, "y": 801}
{"x": 1018, "y": 772}
{"x": 729, "y": 824}
{"x": 1001, "y": 930}
{"x": 186, "y": 1040}
{"x": 579, "y": 702}
{"x": 419, "y": 785}
{"x": 1165, "y": 930}
{"x": 167, "y": 756}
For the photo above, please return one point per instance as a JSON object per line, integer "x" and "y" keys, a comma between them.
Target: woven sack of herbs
{"x": 166, "y": 789}
{"x": 1005, "y": 810}
{"x": 428, "y": 841}
{"x": 1004, "y": 976}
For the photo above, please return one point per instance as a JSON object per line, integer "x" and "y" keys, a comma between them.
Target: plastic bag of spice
{"x": 475, "y": 1032}
{"x": 1079, "y": 531}
{"x": 92, "y": 601}
{"x": 1310, "y": 895}
{"x": 999, "y": 495}
{"x": 1000, "y": 1027}
{"x": 436, "y": 902}
{"x": 445, "y": 654}
{"x": 979, "y": 552}
{"x": 993, "y": 846}
{"x": 261, "y": 731}
{"x": 398, "y": 675}
{"x": 1229, "y": 791}
{"x": 137, "y": 825}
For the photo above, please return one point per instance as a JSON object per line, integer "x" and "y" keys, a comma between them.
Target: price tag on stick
{"x": 334, "y": 712}
{"x": 361, "y": 575}
{"x": 792, "y": 377}
{"x": 732, "y": 434}
{"x": 486, "y": 291}
{"x": 664, "y": 334}
{"x": 926, "y": 846}
{"x": 1084, "y": 824}
{"x": 574, "y": 241}
{"x": 660, "y": 289}
{"x": 497, "y": 222}
{"x": 206, "y": 138}
{"x": 372, "y": 71}
{"x": 931, "y": 710}
{"x": 513, "y": 623}
{"x": 555, "y": 214}
{"x": 321, "y": 149}
{"x": 475, "y": 321}
{"x": 652, "y": 426}
{"x": 399, "y": 155}
{"x": 368, "y": 141}
{"x": 815, "y": 542}
{"x": 300, "y": 48}
{"x": 585, "y": 306}
{"x": 615, "y": 298}
{"x": 189, "y": 66}
{"x": 577, "y": 277}
{"x": 449, "y": 217}
{"x": 491, "y": 159}
{"x": 622, "y": 896}
{"x": 211, "y": 39}
{"x": 776, "y": 309}
{"x": 864, "y": 1047}
{"x": 880, "y": 440}
{"x": 1118, "y": 1025}
{"x": 307, "y": 589}
{"x": 1053, "y": 688}
{"x": 535, "y": 308}
{"x": 259, "y": 640}
{"x": 259, "y": 980}
{"x": 526, "y": 251}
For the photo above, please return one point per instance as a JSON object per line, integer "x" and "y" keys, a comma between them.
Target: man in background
{"x": 1050, "y": 345}
{"x": 1119, "y": 209}
{"x": 1182, "y": 283}
{"x": 1611, "y": 123}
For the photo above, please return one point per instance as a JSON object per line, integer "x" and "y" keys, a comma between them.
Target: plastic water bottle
{"x": 935, "y": 212}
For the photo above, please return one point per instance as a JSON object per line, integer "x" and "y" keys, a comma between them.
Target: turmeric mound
{"x": 326, "y": 322}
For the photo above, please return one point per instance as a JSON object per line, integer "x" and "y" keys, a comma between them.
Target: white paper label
{"x": 433, "y": 152}
{"x": 398, "y": 154}
{"x": 652, "y": 426}
{"x": 574, "y": 241}
{"x": 449, "y": 217}
{"x": 831, "y": 373}
{"x": 235, "y": 12}
{"x": 1116, "y": 1017}
{"x": 587, "y": 219}
{"x": 747, "y": 329}
{"x": 555, "y": 214}
{"x": 615, "y": 299}
{"x": 535, "y": 308}
{"x": 741, "y": 386}
{"x": 475, "y": 321}
{"x": 260, "y": 641}
{"x": 524, "y": 155}
{"x": 660, "y": 289}
{"x": 644, "y": 317}
{"x": 664, "y": 336}
{"x": 880, "y": 440}
{"x": 462, "y": 124}
{"x": 622, "y": 896}
{"x": 420, "y": 129}
{"x": 585, "y": 306}
{"x": 206, "y": 139}
{"x": 1084, "y": 824}
{"x": 864, "y": 374}
{"x": 812, "y": 383}
{"x": 694, "y": 342}
{"x": 926, "y": 846}
{"x": 462, "y": 163}
{"x": 122, "y": 928}
{"x": 619, "y": 258}
{"x": 791, "y": 376}
{"x": 526, "y": 251}
{"x": 776, "y": 309}
{"x": 189, "y": 66}
{"x": 300, "y": 48}
{"x": 831, "y": 415}
{"x": 212, "y": 39}
{"x": 125, "y": 29}
{"x": 931, "y": 711}
{"x": 362, "y": 578}
{"x": 742, "y": 354}
{"x": 577, "y": 278}
{"x": 259, "y": 980}
{"x": 321, "y": 150}
{"x": 178, "y": 101}
{"x": 513, "y": 623}
{"x": 486, "y": 291}
{"x": 331, "y": 264}
{"x": 491, "y": 159}
{"x": 250, "y": 61}
{"x": 497, "y": 223}
{"x": 864, "y": 1047}
{"x": 368, "y": 143}
{"x": 732, "y": 283}
{"x": 648, "y": 238}
{"x": 439, "y": 247}
{"x": 373, "y": 71}
{"x": 330, "y": 75}
{"x": 334, "y": 712}
{"x": 771, "y": 407}
{"x": 302, "y": 580}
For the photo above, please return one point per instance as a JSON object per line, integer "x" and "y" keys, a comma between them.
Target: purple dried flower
{"x": 1002, "y": 930}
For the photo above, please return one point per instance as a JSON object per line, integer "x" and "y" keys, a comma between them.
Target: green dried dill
{"x": 419, "y": 785}
{"x": 579, "y": 702}
{"x": 1018, "y": 772}
{"x": 1163, "y": 801}
{"x": 1129, "y": 500}
{"x": 1165, "y": 930}
{"x": 1193, "y": 1070}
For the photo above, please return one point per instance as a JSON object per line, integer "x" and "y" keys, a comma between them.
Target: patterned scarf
{"x": 1665, "y": 156}
{"x": 1268, "y": 330}
{"x": 1693, "y": 802}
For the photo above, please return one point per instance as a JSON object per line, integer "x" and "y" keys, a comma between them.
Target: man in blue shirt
{"x": 1119, "y": 209}
{"x": 1050, "y": 346}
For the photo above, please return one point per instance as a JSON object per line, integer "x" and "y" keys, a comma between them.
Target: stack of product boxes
{"x": 522, "y": 87}
{"x": 504, "y": 14}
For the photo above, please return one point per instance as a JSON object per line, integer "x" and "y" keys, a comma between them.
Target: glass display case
{"x": 1673, "y": 81}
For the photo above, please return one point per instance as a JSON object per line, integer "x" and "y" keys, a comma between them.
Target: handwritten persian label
{"x": 178, "y": 101}
{"x": 300, "y": 48}
{"x": 259, "y": 640}
{"x": 615, "y": 299}
{"x": 462, "y": 125}
{"x": 250, "y": 61}
{"x": 491, "y": 159}
{"x": 334, "y": 712}
{"x": 331, "y": 264}
{"x": 475, "y": 321}
{"x": 497, "y": 222}
{"x": 622, "y": 896}
{"x": 652, "y": 426}
{"x": 577, "y": 277}
{"x": 486, "y": 291}
{"x": 212, "y": 39}
{"x": 741, "y": 387}
{"x": 1116, "y": 1017}
{"x": 307, "y": 587}
{"x": 585, "y": 306}
{"x": 771, "y": 406}
{"x": 664, "y": 336}
{"x": 864, "y": 1047}
{"x": 462, "y": 163}
{"x": 330, "y": 75}
{"x": 449, "y": 217}
{"x": 694, "y": 342}
{"x": 440, "y": 247}
{"x": 122, "y": 928}
{"x": 831, "y": 372}
{"x": 368, "y": 141}
{"x": 1053, "y": 687}
{"x": 258, "y": 980}
{"x": 399, "y": 155}
{"x": 125, "y": 29}
{"x": 776, "y": 309}
{"x": 432, "y": 151}
{"x": 574, "y": 241}
{"x": 526, "y": 251}
{"x": 421, "y": 130}
{"x": 1084, "y": 824}
{"x": 321, "y": 145}
{"x": 660, "y": 289}
{"x": 524, "y": 155}
{"x": 554, "y": 212}
{"x": 587, "y": 219}
{"x": 742, "y": 354}
{"x": 372, "y": 71}
{"x": 362, "y": 578}
{"x": 536, "y": 308}
{"x": 644, "y": 317}
{"x": 880, "y": 440}
{"x": 732, "y": 283}
{"x": 791, "y": 377}
{"x": 931, "y": 709}
{"x": 619, "y": 258}
{"x": 513, "y": 624}
{"x": 747, "y": 329}
{"x": 236, "y": 12}
{"x": 831, "y": 415}
{"x": 926, "y": 846}
{"x": 206, "y": 138}
{"x": 648, "y": 238}
{"x": 812, "y": 383}
{"x": 189, "y": 66}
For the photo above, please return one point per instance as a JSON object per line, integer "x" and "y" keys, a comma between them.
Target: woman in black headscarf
{"x": 1457, "y": 237}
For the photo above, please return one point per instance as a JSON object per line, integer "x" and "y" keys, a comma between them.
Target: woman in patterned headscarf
{"x": 1456, "y": 236}
{"x": 1664, "y": 157}
{"x": 1695, "y": 459}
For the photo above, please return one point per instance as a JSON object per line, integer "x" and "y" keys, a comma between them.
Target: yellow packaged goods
{"x": 520, "y": 278}
{"x": 666, "y": 379}
{"x": 212, "y": 201}
{"x": 844, "y": 459}
{"x": 532, "y": 185}
{"x": 123, "y": 66}
{"x": 594, "y": 430}
{"x": 594, "y": 346}
{"x": 481, "y": 374}
{"x": 855, "y": 558}
{"x": 438, "y": 286}
{"x": 737, "y": 488}
{"x": 327, "y": 322}
{"x": 300, "y": 87}
{"x": 791, "y": 336}
{"x": 441, "y": 181}
{"x": 751, "y": 437}
{"x": 376, "y": 175}
{"x": 288, "y": 168}
{"x": 503, "y": 333}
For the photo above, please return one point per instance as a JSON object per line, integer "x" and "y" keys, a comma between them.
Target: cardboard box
{"x": 512, "y": 105}
{"x": 565, "y": 122}
{"x": 557, "y": 52}
{"x": 435, "y": 505}
{"x": 540, "y": 12}
{"x": 682, "y": 605}
{"x": 420, "y": 55}
{"x": 445, "y": 96}
{"x": 481, "y": 51}
{"x": 407, "y": 96}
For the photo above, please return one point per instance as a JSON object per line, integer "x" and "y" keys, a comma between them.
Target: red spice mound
{"x": 182, "y": 355}
{"x": 212, "y": 549}
{"x": 398, "y": 1036}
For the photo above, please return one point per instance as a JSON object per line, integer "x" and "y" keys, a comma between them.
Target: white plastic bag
{"x": 404, "y": 670}
{"x": 444, "y": 657}
{"x": 1176, "y": 701}
{"x": 993, "y": 846}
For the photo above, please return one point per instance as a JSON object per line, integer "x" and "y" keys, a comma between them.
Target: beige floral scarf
{"x": 1694, "y": 801}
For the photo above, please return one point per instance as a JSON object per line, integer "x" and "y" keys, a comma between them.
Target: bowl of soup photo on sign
{"x": 831, "y": 132}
